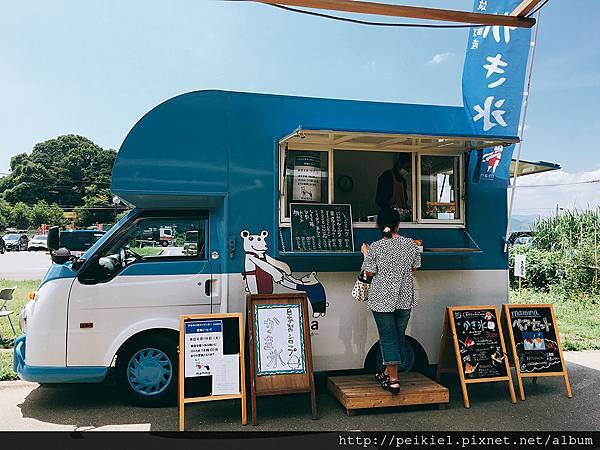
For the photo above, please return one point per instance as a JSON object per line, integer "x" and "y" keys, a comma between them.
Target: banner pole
{"x": 522, "y": 131}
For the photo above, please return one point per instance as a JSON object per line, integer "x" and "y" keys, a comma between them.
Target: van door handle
{"x": 208, "y": 287}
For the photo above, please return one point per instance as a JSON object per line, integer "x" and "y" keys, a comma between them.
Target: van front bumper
{"x": 46, "y": 374}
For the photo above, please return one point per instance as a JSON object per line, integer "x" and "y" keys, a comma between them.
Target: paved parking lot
{"x": 28, "y": 406}
{"x": 24, "y": 265}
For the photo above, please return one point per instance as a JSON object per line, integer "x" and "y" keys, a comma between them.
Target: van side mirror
{"x": 61, "y": 256}
{"x": 53, "y": 239}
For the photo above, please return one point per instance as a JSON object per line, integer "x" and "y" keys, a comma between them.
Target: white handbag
{"x": 360, "y": 291}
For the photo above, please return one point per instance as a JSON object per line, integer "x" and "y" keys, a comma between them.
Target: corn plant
{"x": 566, "y": 252}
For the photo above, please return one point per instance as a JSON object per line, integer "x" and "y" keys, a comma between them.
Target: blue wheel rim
{"x": 149, "y": 371}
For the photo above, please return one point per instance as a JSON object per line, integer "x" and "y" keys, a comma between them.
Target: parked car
{"x": 190, "y": 246}
{"x": 39, "y": 242}
{"x": 524, "y": 240}
{"x": 16, "y": 242}
{"x": 518, "y": 234}
{"x": 78, "y": 241}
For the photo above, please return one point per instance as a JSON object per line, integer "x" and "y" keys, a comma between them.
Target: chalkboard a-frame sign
{"x": 476, "y": 335}
{"x": 535, "y": 343}
{"x": 320, "y": 227}
{"x": 279, "y": 347}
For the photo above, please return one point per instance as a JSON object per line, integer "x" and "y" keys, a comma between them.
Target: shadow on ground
{"x": 546, "y": 408}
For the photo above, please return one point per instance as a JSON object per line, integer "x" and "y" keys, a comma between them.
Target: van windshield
{"x": 79, "y": 241}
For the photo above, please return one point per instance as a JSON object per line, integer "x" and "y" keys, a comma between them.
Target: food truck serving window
{"x": 439, "y": 175}
{"x": 424, "y": 188}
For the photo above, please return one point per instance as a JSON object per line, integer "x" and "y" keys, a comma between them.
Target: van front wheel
{"x": 147, "y": 371}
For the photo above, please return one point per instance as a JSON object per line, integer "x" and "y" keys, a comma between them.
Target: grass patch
{"x": 148, "y": 251}
{"x": 578, "y": 318}
{"x": 6, "y": 364}
{"x": 20, "y": 297}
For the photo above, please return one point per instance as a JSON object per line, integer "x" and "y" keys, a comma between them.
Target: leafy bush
{"x": 565, "y": 255}
{"x": 543, "y": 267}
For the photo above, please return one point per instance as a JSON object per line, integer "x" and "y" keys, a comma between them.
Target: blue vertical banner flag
{"x": 492, "y": 84}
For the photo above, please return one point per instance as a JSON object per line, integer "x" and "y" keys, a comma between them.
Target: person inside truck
{"x": 392, "y": 187}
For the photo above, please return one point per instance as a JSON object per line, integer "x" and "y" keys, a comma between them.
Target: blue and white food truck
{"x": 222, "y": 168}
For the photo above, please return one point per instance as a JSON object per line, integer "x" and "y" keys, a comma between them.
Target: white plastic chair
{"x": 6, "y": 295}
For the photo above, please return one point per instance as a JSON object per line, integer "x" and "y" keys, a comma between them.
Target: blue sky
{"x": 94, "y": 68}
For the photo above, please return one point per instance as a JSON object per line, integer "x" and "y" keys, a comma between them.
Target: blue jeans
{"x": 391, "y": 327}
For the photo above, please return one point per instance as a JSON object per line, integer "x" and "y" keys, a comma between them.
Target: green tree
{"x": 4, "y": 215}
{"x": 98, "y": 208}
{"x": 42, "y": 212}
{"x": 20, "y": 216}
{"x": 63, "y": 171}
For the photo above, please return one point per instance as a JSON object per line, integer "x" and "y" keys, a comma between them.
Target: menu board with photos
{"x": 479, "y": 342}
{"x": 476, "y": 335}
{"x": 535, "y": 343}
{"x": 318, "y": 227}
{"x": 535, "y": 339}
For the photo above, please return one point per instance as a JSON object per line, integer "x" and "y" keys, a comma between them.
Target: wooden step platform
{"x": 363, "y": 392}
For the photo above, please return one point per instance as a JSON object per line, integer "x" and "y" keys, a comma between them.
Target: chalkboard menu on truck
{"x": 535, "y": 342}
{"x": 480, "y": 343}
{"x": 318, "y": 227}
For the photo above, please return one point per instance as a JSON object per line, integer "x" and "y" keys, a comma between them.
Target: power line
{"x": 557, "y": 184}
{"x": 538, "y": 8}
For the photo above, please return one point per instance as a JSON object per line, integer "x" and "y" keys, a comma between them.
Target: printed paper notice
{"x": 280, "y": 345}
{"x": 226, "y": 375}
{"x": 203, "y": 341}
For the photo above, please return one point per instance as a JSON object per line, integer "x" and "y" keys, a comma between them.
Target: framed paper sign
{"x": 278, "y": 331}
{"x": 203, "y": 342}
{"x": 211, "y": 360}
{"x": 280, "y": 350}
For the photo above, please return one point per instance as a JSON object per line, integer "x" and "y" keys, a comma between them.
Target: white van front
{"x": 119, "y": 304}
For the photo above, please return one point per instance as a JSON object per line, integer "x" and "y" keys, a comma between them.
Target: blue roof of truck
{"x": 188, "y": 145}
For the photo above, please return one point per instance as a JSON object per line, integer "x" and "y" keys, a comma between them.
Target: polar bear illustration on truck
{"x": 262, "y": 271}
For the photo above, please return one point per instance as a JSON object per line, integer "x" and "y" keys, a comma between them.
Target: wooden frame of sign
{"x": 277, "y": 370}
{"x": 182, "y": 400}
{"x": 450, "y": 325}
{"x": 521, "y": 368}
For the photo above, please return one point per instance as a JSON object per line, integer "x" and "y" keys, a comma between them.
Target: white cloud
{"x": 540, "y": 194}
{"x": 439, "y": 58}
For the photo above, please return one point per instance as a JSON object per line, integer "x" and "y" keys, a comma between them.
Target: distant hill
{"x": 522, "y": 222}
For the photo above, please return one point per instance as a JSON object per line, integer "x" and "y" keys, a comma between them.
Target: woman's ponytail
{"x": 388, "y": 221}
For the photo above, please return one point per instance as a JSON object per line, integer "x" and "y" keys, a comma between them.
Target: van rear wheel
{"x": 416, "y": 358}
{"x": 147, "y": 371}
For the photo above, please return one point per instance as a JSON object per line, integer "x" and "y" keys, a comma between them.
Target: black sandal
{"x": 388, "y": 386}
{"x": 381, "y": 377}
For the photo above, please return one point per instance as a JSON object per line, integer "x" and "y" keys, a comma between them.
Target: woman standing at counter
{"x": 391, "y": 262}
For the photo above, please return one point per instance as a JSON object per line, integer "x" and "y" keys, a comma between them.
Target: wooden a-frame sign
{"x": 236, "y": 329}
{"x": 534, "y": 325}
{"x": 279, "y": 347}
{"x": 475, "y": 334}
